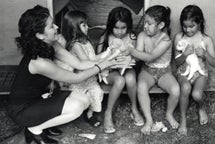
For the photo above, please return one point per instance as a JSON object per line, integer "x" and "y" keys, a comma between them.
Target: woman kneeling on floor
{"x": 30, "y": 105}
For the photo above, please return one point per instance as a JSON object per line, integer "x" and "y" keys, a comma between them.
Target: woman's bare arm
{"x": 49, "y": 69}
{"x": 64, "y": 56}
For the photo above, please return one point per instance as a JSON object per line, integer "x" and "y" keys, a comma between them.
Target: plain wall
{"x": 10, "y": 12}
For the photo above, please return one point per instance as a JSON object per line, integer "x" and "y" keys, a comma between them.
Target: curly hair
{"x": 31, "y": 22}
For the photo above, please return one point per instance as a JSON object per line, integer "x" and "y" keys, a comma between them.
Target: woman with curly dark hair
{"x": 29, "y": 103}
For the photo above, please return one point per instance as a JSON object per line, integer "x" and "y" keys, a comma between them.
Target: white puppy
{"x": 191, "y": 60}
{"x": 116, "y": 46}
{"x": 119, "y": 47}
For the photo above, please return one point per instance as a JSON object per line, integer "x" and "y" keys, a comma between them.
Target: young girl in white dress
{"x": 75, "y": 30}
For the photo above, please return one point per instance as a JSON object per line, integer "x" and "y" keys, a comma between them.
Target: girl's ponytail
{"x": 167, "y": 21}
{"x": 160, "y": 14}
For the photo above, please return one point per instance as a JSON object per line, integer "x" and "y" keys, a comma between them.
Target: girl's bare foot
{"x": 108, "y": 124}
{"x": 183, "y": 128}
{"x": 138, "y": 120}
{"x": 174, "y": 124}
{"x": 203, "y": 118}
{"x": 147, "y": 128}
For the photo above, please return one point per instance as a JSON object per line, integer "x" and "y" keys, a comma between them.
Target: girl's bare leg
{"x": 172, "y": 88}
{"x": 198, "y": 95}
{"x": 118, "y": 82}
{"x": 145, "y": 82}
{"x": 184, "y": 102}
{"x": 130, "y": 79}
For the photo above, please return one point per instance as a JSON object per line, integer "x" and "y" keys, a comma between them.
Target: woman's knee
{"x": 77, "y": 99}
{"x": 197, "y": 95}
{"x": 75, "y": 106}
{"x": 84, "y": 101}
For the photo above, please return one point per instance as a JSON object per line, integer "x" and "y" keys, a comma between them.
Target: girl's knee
{"x": 130, "y": 79}
{"x": 186, "y": 88}
{"x": 197, "y": 95}
{"x": 175, "y": 91}
{"x": 119, "y": 82}
{"x": 141, "y": 85}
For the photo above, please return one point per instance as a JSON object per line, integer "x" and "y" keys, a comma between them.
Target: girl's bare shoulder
{"x": 177, "y": 37}
{"x": 165, "y": 37}
{"x": 142, "y": 35}
{"x": 207, "y": 38}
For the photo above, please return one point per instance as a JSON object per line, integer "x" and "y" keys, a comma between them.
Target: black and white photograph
{"x": 107, "y": 72}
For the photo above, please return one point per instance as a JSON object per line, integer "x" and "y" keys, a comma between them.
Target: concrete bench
{"x": 155, "y": 89}
{"x": 8, "y": 73}
{"x": 106, "y": 89}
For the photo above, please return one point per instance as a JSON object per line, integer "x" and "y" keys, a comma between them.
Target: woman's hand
{"x": 61, "y": 40}
{"x": 121, "y": 62}
{"x": 132, "y": 62}
{"x": 114, "y": 54}
{"x": 117, "y": 62}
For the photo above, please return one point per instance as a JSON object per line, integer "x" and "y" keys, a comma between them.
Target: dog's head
{"x": 181, "y": 45}
{"x": 117, "y": 44}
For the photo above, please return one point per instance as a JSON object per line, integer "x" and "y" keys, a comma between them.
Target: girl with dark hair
{"x": 198, "y": 43}
{"x": 119, "y": 26}
{"x": 154, "y": 48}
{"x": 29, "y": 103}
